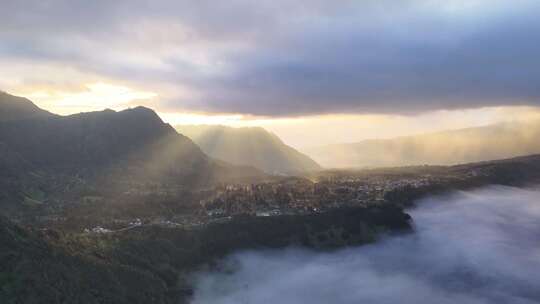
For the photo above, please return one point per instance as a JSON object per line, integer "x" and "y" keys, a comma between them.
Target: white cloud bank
{"x": 470, "y": 247}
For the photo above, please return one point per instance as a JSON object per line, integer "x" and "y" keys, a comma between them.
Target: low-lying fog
{"x": 469, "y": 247}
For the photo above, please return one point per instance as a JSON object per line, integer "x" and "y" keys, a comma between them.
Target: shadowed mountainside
{"x": 249, "y": 146}
{"x": 105, "y": 150}
{"x": 132, "y": 142}
{"x": 491, "y": 142}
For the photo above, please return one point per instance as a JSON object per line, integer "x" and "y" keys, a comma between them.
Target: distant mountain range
{"x": 249, "y": 146}
{"x": 490, "y": 142}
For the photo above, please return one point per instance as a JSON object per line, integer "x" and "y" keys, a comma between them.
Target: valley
{"x": 269, "y": 152}
{"x": 123, "y": 202}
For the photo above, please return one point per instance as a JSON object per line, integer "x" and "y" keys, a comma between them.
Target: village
{"x": 303, "y": 196}
{"x": 285, "y": 196}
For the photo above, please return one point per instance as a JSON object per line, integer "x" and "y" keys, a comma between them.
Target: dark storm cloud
{"x": 294, "y": 57}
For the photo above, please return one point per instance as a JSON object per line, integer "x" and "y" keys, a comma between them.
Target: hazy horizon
{"x": 305, "y": 134}
{"x": 317, "y": 74}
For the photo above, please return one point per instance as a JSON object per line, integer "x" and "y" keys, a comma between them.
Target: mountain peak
{"x": 19, "y": 108}
{"x": 141, "y": 113}
{"x": 123, "y": 145}
{"x": 252, "y": 146}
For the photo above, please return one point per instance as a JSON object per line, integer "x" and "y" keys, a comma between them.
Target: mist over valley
{"x": 473, "y": 247}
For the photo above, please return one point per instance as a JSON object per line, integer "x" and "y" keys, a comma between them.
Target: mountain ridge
{"x": 18, "y": 108}
{"x": 253, "y": 146}
{"x": 448, "y": 147}
{"x": 132, "y": 143}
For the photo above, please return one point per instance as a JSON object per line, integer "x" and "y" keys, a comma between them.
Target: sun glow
{"x": 232, "y": 120}
{"x": 201, "y": 119}
{"x": 93, "y": 96}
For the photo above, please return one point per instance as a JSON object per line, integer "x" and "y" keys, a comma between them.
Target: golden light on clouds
{"x": 202, "y": 119}
{"x": 92, "y": 97}
{"x": 231, "y": 120}
{"x": 317, "y": 130}
{"x": 300, "y": 132}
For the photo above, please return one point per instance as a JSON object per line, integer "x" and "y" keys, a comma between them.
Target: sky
{"x": 313, "y": 72}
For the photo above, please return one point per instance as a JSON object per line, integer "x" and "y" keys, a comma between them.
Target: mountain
{"x": 134, "y": 140}
{"x": 105, "y": 152}
{"x": 98, "y": 139}
{"x": 490, "y": 142}
{"x": 17, "y": 108}
{"x": 249, "y": 146}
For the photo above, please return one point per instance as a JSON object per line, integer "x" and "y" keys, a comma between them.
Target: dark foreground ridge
{"x": 150, "y": 264}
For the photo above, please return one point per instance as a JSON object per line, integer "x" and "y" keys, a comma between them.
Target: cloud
{"x": 290, "y": 58}
{"x": 470, "y": 247}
